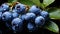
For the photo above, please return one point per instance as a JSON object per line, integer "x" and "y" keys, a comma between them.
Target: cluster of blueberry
{"x": 19, "y": 19}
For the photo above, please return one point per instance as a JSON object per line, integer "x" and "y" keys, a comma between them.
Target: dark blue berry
{"x": 17, "y": 24}
{"x": 31, "y": 27}
{"x": 20, "y": 8}
{"x": 34, "y": 9}
{"x": 6, "y": 16}
{"x": 39, "y": 21}
{"x": 30, "y": 16}
{"x": 45, "y": 15}
{"x": 5, "y": 7}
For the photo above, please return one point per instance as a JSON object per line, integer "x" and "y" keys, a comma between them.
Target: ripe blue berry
{"x": 39, "y": 21}
{"x": 20, "y": 8}
{"x": 6, "y": 16}
{"x": 34, "y": 9}
{"x": 31, "y": 27}
{"x": 45, "y": 15}
{"x": 17, "y": 24}
{"x": 5, "y": 7}
{"x": 30, "y": 16}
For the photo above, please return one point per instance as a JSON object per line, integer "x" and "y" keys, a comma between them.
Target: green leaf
{"x": 37, "y": 2}
{"x": 27, "y": 2}
{"x": 54, "y": 13}
{"x": 52, "y": 27}
{"x": 47, "y": 2}
{"x": 44, "y": 4}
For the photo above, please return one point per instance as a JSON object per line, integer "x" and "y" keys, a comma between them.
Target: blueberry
{"x": 34, "y": 9}
{"x": 31, "y": 27}
{"x": 39, "y": 21}
{"x": 15, "y": 15}
{"x": 45, "y": 15}
{"x": 30, "y": 16}
{"x": 17, "y": 24}
{"x": 6, "y": 16}
{"x": 20, "y": 8}
{"x": 5, "y": 7}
